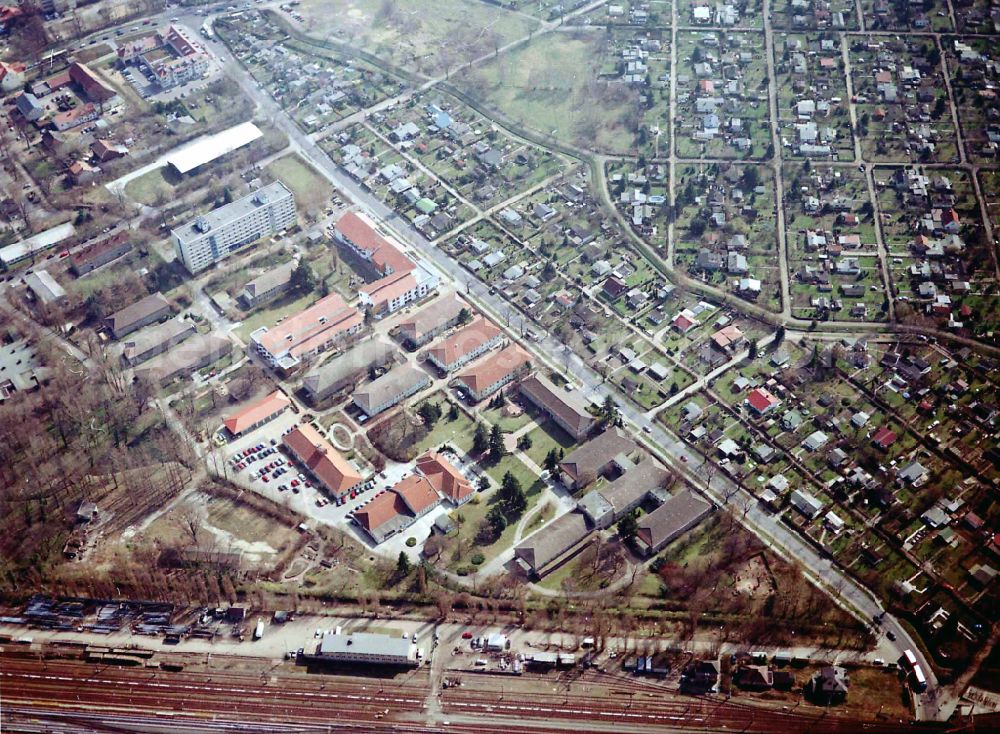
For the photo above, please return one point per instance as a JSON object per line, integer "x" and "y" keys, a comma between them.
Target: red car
{"x": 466, "y": 635}
{"x": 295, "y": 482}
{"x": 266, "y": 478}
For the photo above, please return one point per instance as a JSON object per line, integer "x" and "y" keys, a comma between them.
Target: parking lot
{"x": 257, "y": 462}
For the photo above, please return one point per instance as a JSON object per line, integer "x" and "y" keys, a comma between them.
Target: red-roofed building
{"x": 92, "y": 85}
{"x": 465, "y": 345}
{"x": 495, "y": 372}
{"x": 884, "y": 438}
{"x": 683, "y": 322}
{"x": 950, "y": 221}
{"x": 257, "y": 414}
{"x": 445, "y": 478}
{"x": 761, "y": 400}
{"x": 382, "y": 516}
{"x": 11, "y": 76}
{"x": 307, "y": 333}
{"x": 322, "y": 460}
{"x": 358, "y": 232}
{"x": 419, "y": 494}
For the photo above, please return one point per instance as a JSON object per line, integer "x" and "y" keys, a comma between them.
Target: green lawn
{"x": 474, "y": 512}
{"x": 151, "y": 188}
{"x": 546, "y": 437}
{"x": 508, "y": 424}
{"x": 310, "y": 188}
{"x": 551, "y": 85}
{"x": 424, "y": 37}
{"x": 457, "y": 432}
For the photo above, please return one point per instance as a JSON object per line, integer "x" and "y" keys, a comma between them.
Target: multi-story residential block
{"x": 465, "y": 345}
{"x": 214, "y": 236}
{"x": 495, "y": 372}
{"x": 431, "y": 320}
{"x": 390, "y": 389}
{"x": 307, "y": 333}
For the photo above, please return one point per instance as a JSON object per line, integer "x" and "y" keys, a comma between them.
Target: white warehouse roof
{"x": 206, "y": 149}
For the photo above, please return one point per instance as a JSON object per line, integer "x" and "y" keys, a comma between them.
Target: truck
{"x": 258, "y": 631}
{"x": 919, "y": 681}
{"x": 911, "y": 659}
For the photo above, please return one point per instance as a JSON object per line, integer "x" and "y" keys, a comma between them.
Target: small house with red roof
{"x": 761, "y": 401}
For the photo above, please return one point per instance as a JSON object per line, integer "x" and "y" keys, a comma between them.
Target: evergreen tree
{"x": 628, "y": 526}
{"x": 497, "y": 450}
{"x": 551, "y": 462}
{"x": 403, "y": 566}
{"x": 480, "y": 441}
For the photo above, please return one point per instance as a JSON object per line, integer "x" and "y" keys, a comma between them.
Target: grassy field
{"x": 546, "y": 437}
{"x": 155, "y": 187}
{"x": 551, "y": 85}
{"x": 310, "y": 188}
{"x": 457, "y": 432}
{"x": 424, "y": 37}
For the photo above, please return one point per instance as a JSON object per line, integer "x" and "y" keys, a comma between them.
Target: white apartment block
{"x": 214, "y": 236}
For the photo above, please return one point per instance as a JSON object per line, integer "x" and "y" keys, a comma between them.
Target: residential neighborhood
{"x": 478, "y": 366}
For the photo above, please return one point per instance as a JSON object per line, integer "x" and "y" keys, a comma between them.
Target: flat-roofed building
{"x": 268, "y": 286}
{"x": 554, "y": 544}
{"x": 315, "y": 329}
{"x": 677, "y": 515}
{"x": 608, "y": 449}
{"x": 465, "y": 345}
{"x": 142, "y": 313}
{"x": 322, "y": 461}
{"x": 567, "y": 410}
{"x": 368, "y": 648}
{"x": 495, "y": 372}
{"x": 257, "y": 414}
{"x": 21, "y": 368}
{"x": 154, "y": 340}
{"x": 181, "y": 360}
{"x": 341, "y": 372}
{"x": 102, "y": 252}
{"x": 390, "y": 389}
{"x": 212, "y": 237}
{"x": 433, "y": 319}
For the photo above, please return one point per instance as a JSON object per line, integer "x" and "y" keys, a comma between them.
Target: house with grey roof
{"x": 806, "y": 503}
{"x": 342, "y": 372}
{"x": 546, "y": 550}
{"x": 143, "y": 312}
{"x": 675, "y": 516}
{"x": 566, "y": 409}
{"x": 268, "y": 286}
{"x": 390, "y": 389}
{"x": 608, "y": 504}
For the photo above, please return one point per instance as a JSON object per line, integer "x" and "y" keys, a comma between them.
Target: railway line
{"x": 60, "y": 695}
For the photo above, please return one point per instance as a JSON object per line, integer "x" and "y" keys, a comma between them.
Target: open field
{"x": 311, "y": 190}
{"x": 429, "y": 38}
{"x": 552, "y": 86}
